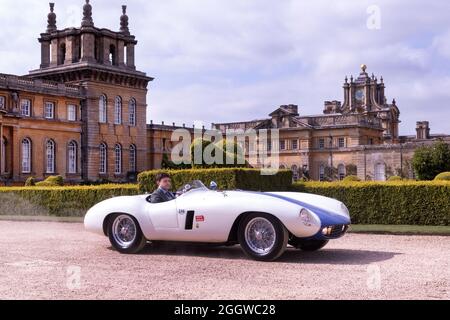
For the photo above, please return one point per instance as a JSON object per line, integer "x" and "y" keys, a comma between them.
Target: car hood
{"x": 331, "y": 210}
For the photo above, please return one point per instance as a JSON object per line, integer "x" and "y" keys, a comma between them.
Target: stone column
{"x": 130, "y": 56}
{"x": 45, "y": 54}
{"x": 88, "y": 47}
{"x": 70, "y": 48}
{"x": 120, "y": 53}
{"x": 54, "y": 53}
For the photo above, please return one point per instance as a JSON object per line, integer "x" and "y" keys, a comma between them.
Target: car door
{"x": 200, "y": 216}
{"x": 163, "y": 216}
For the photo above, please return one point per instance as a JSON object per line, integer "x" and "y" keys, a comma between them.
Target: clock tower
{"x": 366, "y": 95}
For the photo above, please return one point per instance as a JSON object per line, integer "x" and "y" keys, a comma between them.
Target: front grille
{"x": 338, "y": 230}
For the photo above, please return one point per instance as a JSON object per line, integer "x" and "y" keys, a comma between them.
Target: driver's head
{"x": 163, "y": 181}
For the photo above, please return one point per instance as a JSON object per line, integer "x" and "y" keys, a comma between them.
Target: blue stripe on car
{"x": 327, "y": 218}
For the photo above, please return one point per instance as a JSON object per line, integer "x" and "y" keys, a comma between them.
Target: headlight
{"x": 305, "y": 217}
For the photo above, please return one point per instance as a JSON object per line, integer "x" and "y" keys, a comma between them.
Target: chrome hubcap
{"x": 124, "y": 231}
{"x": 260, "y": 235}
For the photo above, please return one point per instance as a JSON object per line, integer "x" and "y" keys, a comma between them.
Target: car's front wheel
{"x": 125, "y": 234}
{"x": 262, "y": 236}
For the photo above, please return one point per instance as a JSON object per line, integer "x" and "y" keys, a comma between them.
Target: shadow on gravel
{"x": 325, "y": 256}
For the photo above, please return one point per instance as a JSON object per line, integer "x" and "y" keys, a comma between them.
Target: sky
{"x": 234, "y": 60}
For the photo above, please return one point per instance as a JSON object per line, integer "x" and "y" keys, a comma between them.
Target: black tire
{"x": 309, "y": 245}
{"x": 136, "y": 245}
{"x": 279, "y": 244}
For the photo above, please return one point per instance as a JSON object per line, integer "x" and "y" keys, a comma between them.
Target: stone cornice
{"x": 13, "y": 82}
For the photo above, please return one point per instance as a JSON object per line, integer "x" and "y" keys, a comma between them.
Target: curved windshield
{"x": 194, "y": 185}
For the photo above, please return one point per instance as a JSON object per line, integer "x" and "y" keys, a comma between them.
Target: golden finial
{"x": 363, "y": 67}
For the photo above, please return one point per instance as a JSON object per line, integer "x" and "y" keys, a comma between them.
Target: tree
{"x": 227, "y": 154}
{"x": 429, "y": 161}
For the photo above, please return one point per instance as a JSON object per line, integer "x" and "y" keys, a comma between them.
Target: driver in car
{"x": 162, "y": 194}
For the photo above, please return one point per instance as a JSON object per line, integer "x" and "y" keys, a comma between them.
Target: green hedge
{"x": 397, "y": 203}
{"x": 58, "y": 201}
{"x": 227, "y": 179}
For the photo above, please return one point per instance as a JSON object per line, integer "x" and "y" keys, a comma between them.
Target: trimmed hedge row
{"x": 226, "y": 179}
{"x": 397, "y": 203}
{"x": 58, "y": 201}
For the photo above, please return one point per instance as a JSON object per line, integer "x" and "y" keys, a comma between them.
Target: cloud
{"x": 220, "y": 61}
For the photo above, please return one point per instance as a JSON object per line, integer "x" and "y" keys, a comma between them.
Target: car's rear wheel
{"x": 309, "y": 245}
{"x": 125, "y": 234}
{"x": 262, "y": 236}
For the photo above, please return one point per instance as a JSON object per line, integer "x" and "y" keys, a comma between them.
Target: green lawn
{"x": 400, "y": 229}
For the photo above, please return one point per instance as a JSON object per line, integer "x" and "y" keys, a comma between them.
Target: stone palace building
{"x": 83, "y": 115}
{"x": 358, "y": 136}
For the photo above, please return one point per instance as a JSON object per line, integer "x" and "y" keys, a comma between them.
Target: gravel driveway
{"x": 46, "y": 260}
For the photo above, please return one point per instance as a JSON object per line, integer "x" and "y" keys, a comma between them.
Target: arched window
{"x": 132, "y": 158}
{"x": 341, "y": 172}
{"x": 118, "y": 159}
{"x": 294, "y": 169}
{"x": 132, "y": 112}
{"x": 322, "y": 172}
{"x": 3, "y": 155}
{"x": 103, "y": 158}
{"x": 282, "y": 167}
{"x": 26, "y": 156}
{"x": 50, "y": 156}
{"x": 72, "y": 151}
{"x": 380, "y": 172}
{"x": 102, "y": 109}
{"x": 118, "y": 110}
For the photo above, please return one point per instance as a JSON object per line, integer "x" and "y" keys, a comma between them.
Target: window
{"x": 49, "y": 110}
{"x": 341, "y": 172}
{"x": 25, "y": 107}
{"x": 282, "y": 144}
{"x": 132, "y": 158}
{"x": 26, "y": 156}
{"x": 294, "y": 144}
{"x": 102, "y": 109}
{"x": 269, "y": 145}
{"x": 321, "y": 143}
{"x": 2, "y": 102}
{"x": 50, "y": 156}
{"x": 72, "y": 112}
{"x": 132, "y": 112}
{"x": 103, "y": 158}
{"x": 118, "y": 159}
{"x": 322, "y": 172}
{"x": 72, "y": 156}
{"x": 380, "y": 172}
{"x": 341, "y": 142}
{"x": 118, "y": 111}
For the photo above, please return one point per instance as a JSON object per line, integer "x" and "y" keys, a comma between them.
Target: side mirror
{"x": 213, "y": 185}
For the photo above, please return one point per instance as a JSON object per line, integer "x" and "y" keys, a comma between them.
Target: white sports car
{"x": 262, "y": 223}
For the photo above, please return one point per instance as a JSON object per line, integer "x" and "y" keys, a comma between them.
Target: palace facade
{"x": 82, "y": 114}
{"x": 358, "y": 136}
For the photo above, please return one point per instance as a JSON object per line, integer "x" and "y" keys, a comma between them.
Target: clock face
{"x": 359, "y": 95}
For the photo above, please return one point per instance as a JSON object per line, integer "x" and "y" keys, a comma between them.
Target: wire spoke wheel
{"x": 124, "y": 231}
